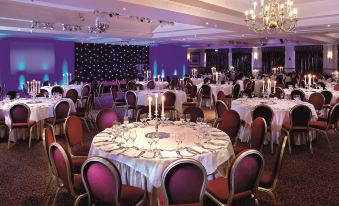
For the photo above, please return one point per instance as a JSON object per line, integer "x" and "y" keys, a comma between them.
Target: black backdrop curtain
{"x": 242, "y": 59}
{"x": 309, "y": 59}
{"x": 272, "y": 57}
{"x": 108, "y": 62}
{"x": 217, "y": 59}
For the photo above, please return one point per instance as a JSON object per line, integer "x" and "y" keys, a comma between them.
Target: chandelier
{"x": 272, "y": 16}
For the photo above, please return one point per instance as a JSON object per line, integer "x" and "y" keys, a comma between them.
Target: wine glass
{"x": 181, "y": 139}
{"x": 143, "y": 118}
{"x": 156, "y": 139}
{"x": 132, "y": 136}
{"x": 199, "y": 120}
{"x": 126, "y": 137}
{"x": 177, "y": 140}
{"x": 150, "y": 141}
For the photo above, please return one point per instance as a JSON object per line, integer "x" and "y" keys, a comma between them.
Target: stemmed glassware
{"x": 132, "y": 136}
{"x": 126, "y": 137}
{"x": 143, "y": 119}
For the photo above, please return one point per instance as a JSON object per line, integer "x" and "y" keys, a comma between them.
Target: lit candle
{"x": 263, "y": 86}
{"x": 154, "y": 78}
{"x": 163, "y": 107}
{"x": 275, "y": 83}
{"x": 158, "y": 78}
{"x": 305, "y": 79}
{"x": 70, "y": 76}
{"x": 156, "y": 105}
{"x": 313, "y": 79}
{"x": 149, "y": 107}
{"x": 309, "y": 79}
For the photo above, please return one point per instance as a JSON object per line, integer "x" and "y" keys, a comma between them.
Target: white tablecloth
{"x": 308, "y": 93}
{"x": 134, "y": 165}
{"x": 158, "y": 85}
{"x": 143, "y": 97}
{"x": 195, "y": 81}
{"x": 280, "y": 107}
{"x": 39, "y": 111}
{"x": 226, "y": 88}
{"x": 65, "y": 87}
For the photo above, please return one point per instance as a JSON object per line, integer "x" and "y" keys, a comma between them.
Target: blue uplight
{"x": 175, "y": 71}
{"x": 21, "y": 65}
{"x": 155, "y": 68}
{"x": 45, "y": 78}
{"x": 45, "y": 67}
{"x": 183, "y": 69}
{"x": 22, "y": 81}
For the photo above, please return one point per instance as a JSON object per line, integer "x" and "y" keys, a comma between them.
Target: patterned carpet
{"x": 305, "y": 179}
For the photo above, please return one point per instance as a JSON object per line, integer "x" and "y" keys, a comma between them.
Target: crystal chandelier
{"x": 272, "y": 16}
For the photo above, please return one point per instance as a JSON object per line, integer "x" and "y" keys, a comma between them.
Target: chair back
{"x": 322, "y": 85}
{"x": 73, "y": 95}
{"x": 19, "y": 113}
{"x": 220, "y": 108}
{"x": 247, "y": 84}
{"x": 230, "y": 123}
{"x": 61, "y": 109}
{"x": 100, "y": 89}
{"x": 89, "y": 104}
{"x": 336, "y": 87}
{"x": 57, "y": 89}
{"x": 278, "y": 159}
{"x": 194, "y": 113}
{"x": 174, "y": 83}
{"x": 151, "y": 85}
{"x": 186, "y": 80}
{"x": 131, "y": 85}
{"x": 145, "y": 110}
{"x": 207, "y": 80}
{"x": 258, "y": 133}
{"x": 73, "y": 130}
{"x": 46, "y": 83}
{"x": 328, "y": 95}
{"x": 170, "y": 99}
{"x": 49, "y": 140}
{"x": 139, "y": 87}
{"x": 244, "y": 174}
{"x": 102, "y": 181}
{"x": 264, "y": 111}
{"x": 334, "y": 115}
{"x": 298, "y": 92}
{"x": 106, "y": 118}
{"x": 131, "y": 98}
{"x": 61, "y": 162}
{"x": 300, "y": 116}
{"x": 317, "y": 100}
{"x": 287, "y": 84}
{"x": 184, "y": 182}
{"x": 85, "y": 91}
{"x": 12, "y": 94}
{"x": 236, "y": 91}
{"x": 206, "y": 91}
{"x": 114, "y": 92}
{"x": 194, "y": 91}
{"x": 188, "y": 88}
{"x": 279, "y": 93}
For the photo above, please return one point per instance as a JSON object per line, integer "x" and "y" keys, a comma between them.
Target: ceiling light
{"x": 124, "y": 9}
{"x": 206, "y": 23}
{"x": 329, "y": 25}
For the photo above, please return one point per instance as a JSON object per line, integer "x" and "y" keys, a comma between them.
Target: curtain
{"x": 272, "y": 57}
{"x": 309, "y": 59}
{"x": 242, "y": 60}
{"x": 217, "y": 59}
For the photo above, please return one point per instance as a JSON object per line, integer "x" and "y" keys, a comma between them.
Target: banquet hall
{"x": 169, "y": 102}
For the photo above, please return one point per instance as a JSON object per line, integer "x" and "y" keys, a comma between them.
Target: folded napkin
{"x": 186, "y": 153}
{"x": 100, "y": 139}
{"x": 148, "y": 155}
{"x": 131, "y": 152}
{"x": 118, "y": 151}
{"x": 218, "y": 142}
{"x": 109, "y": 147}
{"x": 215, "y": 130}
{"x": 169, "y": 154}
{"x": 99, "y": 144}
{"x": 212, "y": 147}
{"x": 199, "y": 149}
{"x": 219, "y": 133}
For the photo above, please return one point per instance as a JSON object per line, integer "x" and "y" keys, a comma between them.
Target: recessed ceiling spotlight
{"x": 329, "y": 25}
{"x": 243, "y": 35}
{"x": 19, "y": 29}
{"x": 206, "y": 23}
{"x": 124, "y": 9}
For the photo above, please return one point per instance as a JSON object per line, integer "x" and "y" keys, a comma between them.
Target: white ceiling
{"x": 216, "y": 22}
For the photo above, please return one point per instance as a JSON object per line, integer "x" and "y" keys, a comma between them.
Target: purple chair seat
{"x": 288, "y": 126}
{"x": 319, "y": 125}
{"x": 266, "y": 179}
{"x": 50, "y": 120}
{"x": 218, "y": 188}
{"x": 28, "y": 124}
{"x": 81, "y": 149}
{"x": 78, "y": 185}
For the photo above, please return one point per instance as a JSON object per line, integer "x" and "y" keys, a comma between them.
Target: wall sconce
{"x": 329, "y": 56}
{"x": 255, "y": 56}
{"x": 188, "y": 57}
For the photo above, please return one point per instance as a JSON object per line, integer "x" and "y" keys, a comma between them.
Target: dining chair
{"x": 269, "y": 178}
{"x": 19, "y": 115}
{"x": 116, "y": 102}
{"x": 183, "y": 183}
{"x": 106, "y": 118}
{"x": 236, "y": 91}
{"x": 98, "y": 94}
{"x": 75, "y": 137}
{"x": 191, "y": 91}
{"x": 62, "y": 165}
{"x": 132, "y": 102}
{"x": 336, "y": 87}
{"x": 169, "y": 102}
{"x": 242, "y": 182}
{"x": 194, "y": 113}
{"x": 85, "y": 91}
{"x": 145, "y": 111}
{"x": 12, "y": 94}
{"x": 279, "y": 93}
{"x": 61, "y": 111}
{"x": 299, "y": 118}
{"x": 102, "y": 181}
{"x": 188, "y": 88}
{"x": 57, "y": 89}
{"x": 73, "y": 95}
{"x": 207, "y": 80}
{"x": 219, "y": 108}
{"x": 266, "y": 112}
{"x": 322, "y": 85}
{"x": 206, "y": 94}
{"x": 297, "y": 92}
{"x": 317, "y": 100}
{"x": 84, "y": 113}
{"x": 288, "y": 84}
{"x": 330, "y": 124}
{"x": 46, "y": 83}
{"x": 131, "y": 85}
{"x": 230, "y": 123}
{"x": 150, "y": 85}
{"x": 328, "y": 95}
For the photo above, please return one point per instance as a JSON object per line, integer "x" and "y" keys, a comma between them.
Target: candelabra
{"x": 33, "y": 89}
{"x": 68, "y": 77}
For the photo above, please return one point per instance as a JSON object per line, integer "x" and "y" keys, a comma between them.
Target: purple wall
{"x": 168, "y": 58}
{"x": 63, "y": 52}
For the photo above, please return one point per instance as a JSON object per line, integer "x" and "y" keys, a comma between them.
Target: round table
{"x": 280, "y": 107}
{"x": 41, "y": 110}
{"x": 144, "y": 94}
{"x": 195, "y": 81}
{"x": 65, "y": 87}
{"x": 158, "y": 85}
{"x": 142, "y": 167}
{"x": 308, "y": 93}
{"x": 226, "y": 88}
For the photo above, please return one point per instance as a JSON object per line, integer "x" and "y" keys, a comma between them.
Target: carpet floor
{"x": 305, "y": 179}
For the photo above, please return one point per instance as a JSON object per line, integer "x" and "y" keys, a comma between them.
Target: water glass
{"x": 132, "y": 136}
{"x": 126, "y": 137}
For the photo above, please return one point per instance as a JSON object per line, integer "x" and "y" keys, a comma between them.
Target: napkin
{"x": 169, "y": 154}
{"x": 148, "y": 155}
{"x": 212, "y": 147}
{"x": 215, "y": 130}
{"x": 99, "y": 144}
{"x": 131, "y": 152}
{"x": 109, "y": 147}
{"x": 218, "y": 142}
{"x": 199, "y": 149}
{"x": 118, "y": 151}
{"x": 100, "y": 139}
{"x": 219, "y": 134}
{"x": 186, "y": 153}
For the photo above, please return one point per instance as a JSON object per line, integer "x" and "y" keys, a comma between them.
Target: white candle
{"x": 313, "y": 79}
{"x": 263, "y": 86}
{"x": 305, "y": 79}
{"x": 158, "y": 78}
{"x": 70, "y": 77}
{"x": 154, "y": 78}
{"x": 309, "y": 79}
{"x": 149, "y": 107}
{"x": 163, "y": 107}
{"x": 156, "y": 104}
{"x": 275, "y": 82}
